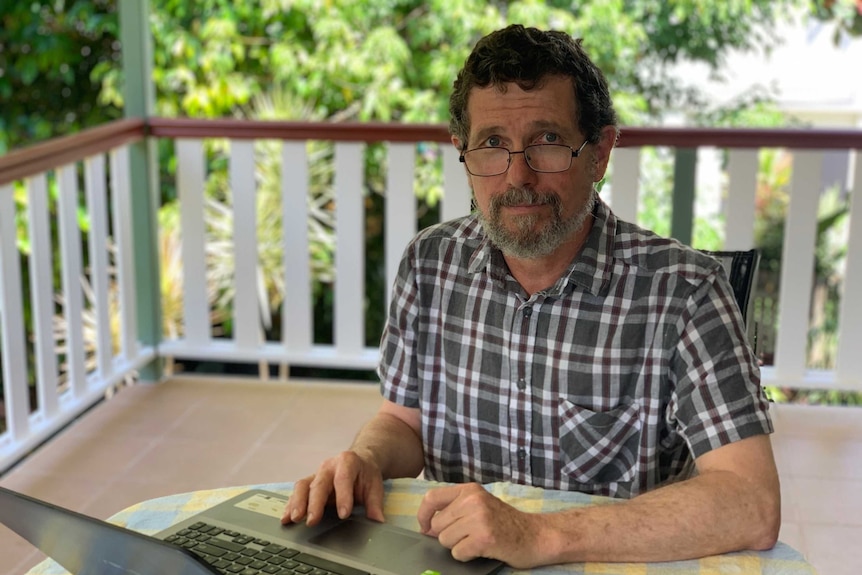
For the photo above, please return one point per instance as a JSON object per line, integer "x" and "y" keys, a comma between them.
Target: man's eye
{"x": 492, "y": 142}
{"x": 550, "y": 138}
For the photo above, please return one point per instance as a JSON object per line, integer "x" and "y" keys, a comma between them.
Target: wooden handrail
{"x": 284, "y": 130}
{"x": 808, "y": 139}
{"x": 392, "y": 132}
{"x": 61, "y": 151}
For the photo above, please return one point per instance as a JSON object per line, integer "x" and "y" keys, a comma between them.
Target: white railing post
{"x": 73, "y": 298}
{"x": 457, "y": 194}
{"x": 15, "y": 386}
{"x": 190, "y": 192}
{"x": 94, "y": 177}
{"x": 400, "y": 216}
{"x": 42, "y": 294}
{"x": 739, "y": 207}
{"x": 849, "y": 357}
{"x": 349, "y": 249}
{"x": 122, "y": 225}
{"x": 297, "y": 321}
{"x": 625, "y": 183}
{"x": 797, "y": 268}
{"x": 246, "y": 305}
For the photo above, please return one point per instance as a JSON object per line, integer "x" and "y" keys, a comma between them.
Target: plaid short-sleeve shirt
{"x": 609, "y": 382}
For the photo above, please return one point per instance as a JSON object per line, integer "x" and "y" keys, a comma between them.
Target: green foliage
{"x": 847, "y": 15}
{"x": 52, "y": 59}
{"x": 389, "y": 60}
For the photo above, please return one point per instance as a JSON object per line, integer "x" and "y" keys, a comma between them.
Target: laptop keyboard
{"x": 233, "y": 553}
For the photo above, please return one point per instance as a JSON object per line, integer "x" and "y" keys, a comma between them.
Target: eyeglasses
{"x": 546, "y": 158}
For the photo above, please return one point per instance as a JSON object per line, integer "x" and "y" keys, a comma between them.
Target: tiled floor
{"x": 154, "y": 440}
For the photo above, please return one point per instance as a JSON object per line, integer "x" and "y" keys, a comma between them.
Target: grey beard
{"x": 523, "y": 242}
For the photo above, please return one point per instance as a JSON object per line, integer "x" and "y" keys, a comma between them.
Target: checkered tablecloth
{"x": 402, "y": 500}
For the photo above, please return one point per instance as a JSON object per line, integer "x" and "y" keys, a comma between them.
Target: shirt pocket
{"x": 599, "y": 447}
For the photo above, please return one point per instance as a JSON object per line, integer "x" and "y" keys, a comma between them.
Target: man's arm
{"x": 733, "y": 503}
{"x": 389, "y": 445}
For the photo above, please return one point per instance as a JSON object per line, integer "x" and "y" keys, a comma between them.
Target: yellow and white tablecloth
{"x": 402, "y": 500}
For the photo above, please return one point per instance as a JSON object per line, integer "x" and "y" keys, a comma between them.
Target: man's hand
{"x": 343, "y": 480}
{"x": 473, "y": 523}
{"x": 388, "y": 446}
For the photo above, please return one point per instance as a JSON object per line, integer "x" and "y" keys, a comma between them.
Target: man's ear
{"x": 603, "y": 147}
{"x": 457, "y": 143}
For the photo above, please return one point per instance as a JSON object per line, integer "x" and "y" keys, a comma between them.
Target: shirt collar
{"x": 590, "y": 270}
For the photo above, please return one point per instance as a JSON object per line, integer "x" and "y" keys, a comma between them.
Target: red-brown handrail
{"x": 391, "y": 132}
{"x": 283, "y": 130}
{"x": 807, "y": 138}
{"x": 61, "y": 151}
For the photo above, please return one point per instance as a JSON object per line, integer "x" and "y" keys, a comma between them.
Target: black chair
{"x": 741, "y": 268}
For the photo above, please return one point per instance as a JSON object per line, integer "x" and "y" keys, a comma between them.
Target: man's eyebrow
{"x": 538, "y": 125}
{"x": 486, "y": 132}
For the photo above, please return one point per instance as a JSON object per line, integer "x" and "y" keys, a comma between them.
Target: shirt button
{"x": 522, "y": 384}
{"x": 522, "y": 454}
{"x": 528, "y": 311}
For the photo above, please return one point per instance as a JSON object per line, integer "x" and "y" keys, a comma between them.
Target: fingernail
{"x": 294, "y": 515}
{"x": 342, "y": 512}
{"x": 309, "y": 518}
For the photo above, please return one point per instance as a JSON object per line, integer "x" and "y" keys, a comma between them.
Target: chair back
{"x": 741, "y": 269}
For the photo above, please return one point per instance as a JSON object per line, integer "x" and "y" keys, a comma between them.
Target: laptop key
{"x": 322, "y": 563}
{"x": 262, "y": 556}
{"x": 209, "y": 549}
{"x": 226, "y": 545}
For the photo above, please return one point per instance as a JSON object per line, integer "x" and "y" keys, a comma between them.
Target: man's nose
{"x": 520, "y": 174}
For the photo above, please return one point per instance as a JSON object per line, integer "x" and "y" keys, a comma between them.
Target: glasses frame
{"x": 575, "y": 154}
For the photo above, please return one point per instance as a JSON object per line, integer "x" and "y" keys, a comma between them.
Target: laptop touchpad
{"x": 372, "y": 542}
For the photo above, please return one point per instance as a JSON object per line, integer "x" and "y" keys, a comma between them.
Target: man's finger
{"x": 297, "y": 504}
{"x": 319, "y": 493}
{"x": 344, "y": 482}
{"x": 374, "y": 501}
{"x": 435, "y": 500}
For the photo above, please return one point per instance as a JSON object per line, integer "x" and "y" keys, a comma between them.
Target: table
{"x": 402, "y": 500}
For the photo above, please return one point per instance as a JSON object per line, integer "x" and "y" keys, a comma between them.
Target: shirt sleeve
{"x": 717, "y": 398}
{"x": 397, "y": 368}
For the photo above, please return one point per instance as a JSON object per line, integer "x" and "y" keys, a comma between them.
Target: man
{"x": 543, "y": 341}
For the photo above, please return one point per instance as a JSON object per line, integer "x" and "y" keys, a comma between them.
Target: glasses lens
{"x": 549, "y": 157}
{"x": 487, "y": 161}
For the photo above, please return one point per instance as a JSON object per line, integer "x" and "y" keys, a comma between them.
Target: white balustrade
{"x": 57, "y": 404}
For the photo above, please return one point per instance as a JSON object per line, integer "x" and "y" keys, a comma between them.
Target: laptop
{"x": 241, "y": 535}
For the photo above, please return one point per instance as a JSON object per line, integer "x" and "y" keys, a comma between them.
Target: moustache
{"x": 525, "y": 197}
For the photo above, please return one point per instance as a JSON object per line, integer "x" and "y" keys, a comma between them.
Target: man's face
{"x": 529, "y": 214}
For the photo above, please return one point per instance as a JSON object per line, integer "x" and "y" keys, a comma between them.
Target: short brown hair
{"x": 527, "y": 56}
